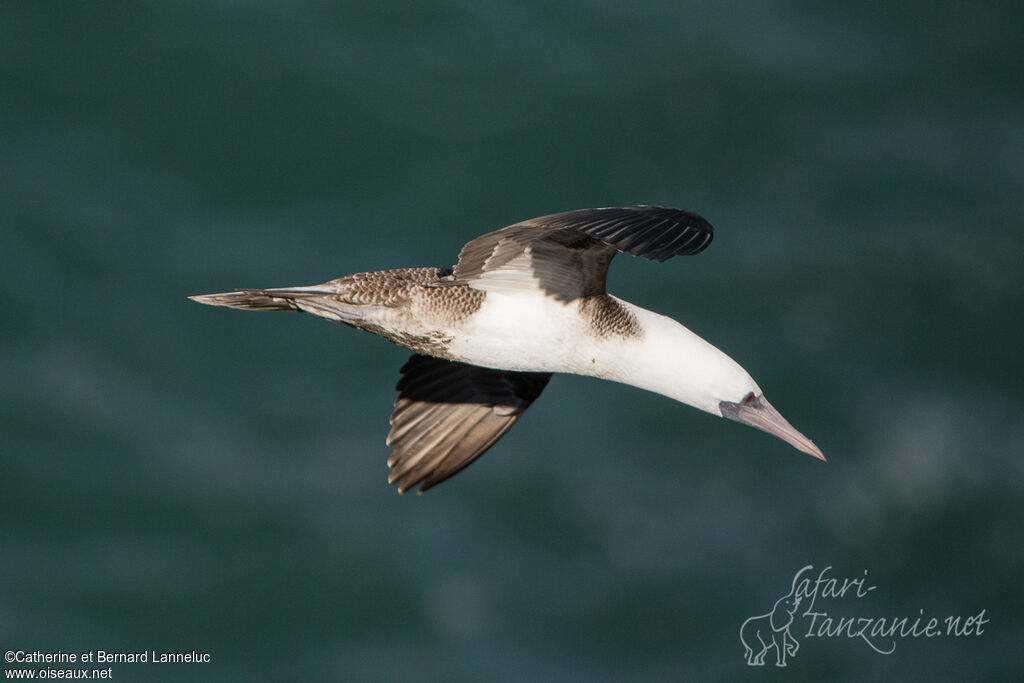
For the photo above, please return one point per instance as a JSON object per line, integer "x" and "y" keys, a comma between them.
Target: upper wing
{"x": 567, "y": 254}
{"x": 448, "y": 414}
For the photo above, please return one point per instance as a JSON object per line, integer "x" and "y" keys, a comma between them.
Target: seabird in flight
{"x": 522, "y": 303}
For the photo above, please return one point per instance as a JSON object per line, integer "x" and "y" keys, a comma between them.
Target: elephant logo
{"x": 766, "y": 631}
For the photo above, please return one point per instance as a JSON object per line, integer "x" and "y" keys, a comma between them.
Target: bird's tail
{"x": 281, "y": 299}
{"x": 323, "y": 300}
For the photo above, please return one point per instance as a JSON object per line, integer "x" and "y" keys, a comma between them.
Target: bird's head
{"x": 716, "y": 383}
{"x": 674, "y": 361}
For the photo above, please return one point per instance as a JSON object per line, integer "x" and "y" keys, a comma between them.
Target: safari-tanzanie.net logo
{"x": 806, "y": 611}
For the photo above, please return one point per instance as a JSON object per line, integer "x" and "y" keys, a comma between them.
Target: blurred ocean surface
{"x": 175, "y": 477}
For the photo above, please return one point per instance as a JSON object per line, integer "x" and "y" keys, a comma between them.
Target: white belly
{"x": 528, "y": 333}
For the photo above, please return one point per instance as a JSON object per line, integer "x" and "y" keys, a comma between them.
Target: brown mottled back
{"x": 388, "y": 288}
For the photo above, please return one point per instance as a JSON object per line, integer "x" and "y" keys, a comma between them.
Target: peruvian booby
{"x": 522, "y": 303}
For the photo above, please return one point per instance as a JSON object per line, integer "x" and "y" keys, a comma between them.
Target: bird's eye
{"x": 749, "y": 398}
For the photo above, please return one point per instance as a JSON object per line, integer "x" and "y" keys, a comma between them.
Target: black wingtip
{"x": 655, "y": 232}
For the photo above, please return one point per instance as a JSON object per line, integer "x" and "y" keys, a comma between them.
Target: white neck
{"x": 671, "y": 360}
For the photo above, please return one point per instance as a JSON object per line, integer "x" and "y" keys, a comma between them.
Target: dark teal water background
{"x": 175, "y": 477}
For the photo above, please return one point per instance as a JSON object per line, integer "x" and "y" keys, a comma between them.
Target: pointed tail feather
{"x": 322, "y": 300}
{"x": 282, "y": 299}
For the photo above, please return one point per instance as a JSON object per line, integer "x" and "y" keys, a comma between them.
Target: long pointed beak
{"x": 759, "y": 413}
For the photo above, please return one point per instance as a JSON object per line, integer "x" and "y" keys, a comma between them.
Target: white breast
{"x": 524, "y": 332}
